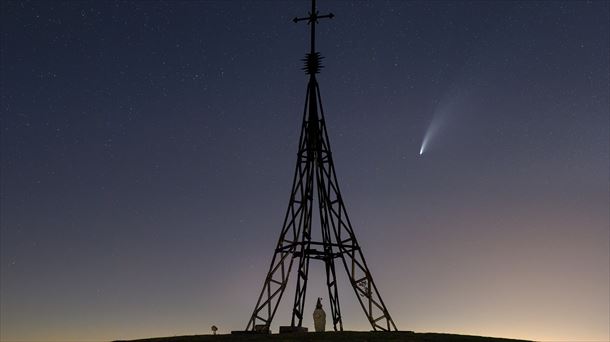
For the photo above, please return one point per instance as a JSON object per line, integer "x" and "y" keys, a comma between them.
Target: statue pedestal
{"x": 287, "y": 329}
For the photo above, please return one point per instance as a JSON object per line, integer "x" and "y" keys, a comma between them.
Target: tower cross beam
{"x": 314, "y": 17}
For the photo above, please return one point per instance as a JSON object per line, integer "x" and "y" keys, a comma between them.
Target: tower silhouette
{"x": 315, "y": 173}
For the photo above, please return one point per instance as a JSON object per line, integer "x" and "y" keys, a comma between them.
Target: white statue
{"x": 319, "y": 317}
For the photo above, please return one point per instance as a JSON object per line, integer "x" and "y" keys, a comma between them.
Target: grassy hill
{"x": 345, "y": 336}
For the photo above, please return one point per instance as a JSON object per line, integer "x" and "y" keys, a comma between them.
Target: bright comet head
{"x": 423, "y": 145}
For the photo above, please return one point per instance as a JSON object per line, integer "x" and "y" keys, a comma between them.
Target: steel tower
{"x": 315, "y": 173}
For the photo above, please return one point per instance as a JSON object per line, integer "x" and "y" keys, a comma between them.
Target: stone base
{"x": 292, "y": 330}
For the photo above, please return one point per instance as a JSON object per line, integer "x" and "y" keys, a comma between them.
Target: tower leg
{"x": 302, "y": 275}
{"x": 309, "y": 145}
{"x": 329, "y": 259}
{"x": 296, "y": 222}
{"x": 348, "y": 249}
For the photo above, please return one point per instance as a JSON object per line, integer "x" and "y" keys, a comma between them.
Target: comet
{"x": 444, "y": 112}
{"x": 431, "y": 132}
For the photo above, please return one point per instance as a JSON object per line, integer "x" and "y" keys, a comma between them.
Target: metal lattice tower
{"x": 315, "y": 172}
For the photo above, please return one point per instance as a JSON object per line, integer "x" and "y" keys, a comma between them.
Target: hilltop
{"x": 345, "y": 336}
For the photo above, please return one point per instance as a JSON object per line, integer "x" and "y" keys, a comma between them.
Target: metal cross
{"x": 313, "y": 20}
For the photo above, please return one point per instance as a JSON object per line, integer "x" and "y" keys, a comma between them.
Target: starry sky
{"x": 148, "y": 147}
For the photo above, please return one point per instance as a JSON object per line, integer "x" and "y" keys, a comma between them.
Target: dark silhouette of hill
{"x": 345, "y": 336}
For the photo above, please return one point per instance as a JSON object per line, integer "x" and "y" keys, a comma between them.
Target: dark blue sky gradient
{"x": 147, "y": 150}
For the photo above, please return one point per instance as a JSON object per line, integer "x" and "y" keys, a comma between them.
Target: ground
{"x": 345, "y": 336}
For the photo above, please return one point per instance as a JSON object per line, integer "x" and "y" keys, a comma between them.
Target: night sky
{"x": 148, "y": 150}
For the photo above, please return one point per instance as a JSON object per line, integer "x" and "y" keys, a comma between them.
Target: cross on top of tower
{"x": 312, "y": 60}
